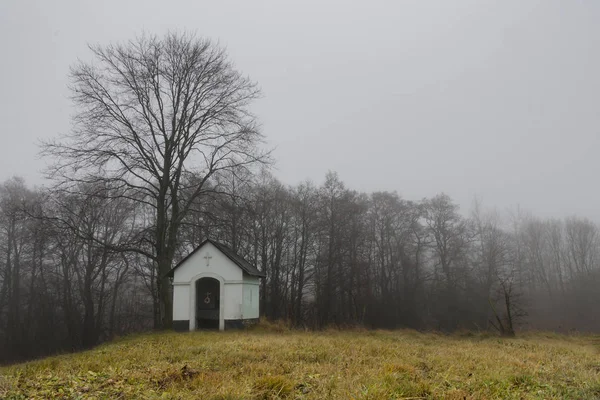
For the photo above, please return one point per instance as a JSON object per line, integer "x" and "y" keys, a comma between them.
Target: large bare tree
{"x": 150, "y": 114}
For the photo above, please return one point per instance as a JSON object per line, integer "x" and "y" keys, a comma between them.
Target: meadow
{"x": 271, "y": 362}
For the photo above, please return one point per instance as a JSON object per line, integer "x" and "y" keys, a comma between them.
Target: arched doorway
{"x": 208, "y": 294}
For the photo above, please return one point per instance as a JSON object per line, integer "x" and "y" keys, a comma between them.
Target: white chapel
{"x": 214, "y": 288}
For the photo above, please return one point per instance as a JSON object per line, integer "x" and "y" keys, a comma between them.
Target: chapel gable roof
{"x": 232, "y": 255}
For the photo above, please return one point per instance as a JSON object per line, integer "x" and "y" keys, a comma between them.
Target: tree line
{"x": 333, "y": 257}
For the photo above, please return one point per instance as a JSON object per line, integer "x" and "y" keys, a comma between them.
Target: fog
{"x": 432, "y": 165}
{"x": 494, "y": 99}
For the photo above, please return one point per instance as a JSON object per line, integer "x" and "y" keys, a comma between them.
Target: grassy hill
{"x": 267, "y": 364}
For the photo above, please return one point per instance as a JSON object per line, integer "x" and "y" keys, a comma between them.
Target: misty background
{"x": 386, "y": 121}
{"x": 472, "y": 98}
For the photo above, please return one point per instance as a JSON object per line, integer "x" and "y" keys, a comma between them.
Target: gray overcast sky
{"x": 495, "y": 99}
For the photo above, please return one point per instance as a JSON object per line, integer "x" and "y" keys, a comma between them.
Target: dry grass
{"x": 273, "y": 363}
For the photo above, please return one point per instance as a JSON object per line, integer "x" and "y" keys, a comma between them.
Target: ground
{"x": 273, "y": 363}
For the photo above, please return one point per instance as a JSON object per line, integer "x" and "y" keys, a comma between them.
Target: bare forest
{"x": 333, "y": 257}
